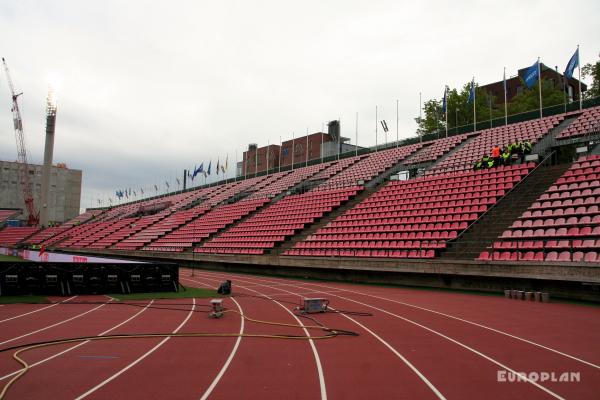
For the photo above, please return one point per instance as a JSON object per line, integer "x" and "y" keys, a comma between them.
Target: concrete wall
{"x": 65, "y": 190}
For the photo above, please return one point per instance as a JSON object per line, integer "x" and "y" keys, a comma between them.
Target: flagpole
{"x": 446, "y": 97}
{"x": 579, "y": 69}
{"x": 376, "y": 131}
{"x": 322, "y": 138}
{"x": 474, "y": 102}
{"x": 306, "y": 151}
{"x": 267, "y": 156}
{"x": 397, "y": 137}
{"x": 356, "y": 140}
{"x": 420, "y": 109}
{"x": 505, "y": 103}
{"x": 236, "y": 163}
{"x": 293, "y": 148}
{"x": 279, "y": 166}
{"x": 540, "y": 86}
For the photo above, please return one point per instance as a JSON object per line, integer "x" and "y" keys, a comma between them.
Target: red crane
{"x": 33, "y": 217}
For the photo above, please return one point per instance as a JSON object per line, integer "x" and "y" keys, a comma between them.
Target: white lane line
{"x": 310, "y": 341}
{"x": 229, "y": 359}
{"x": 131, "y": 365}
{"x": 520, "y": 375}
{"x": 56, "y": 324}
{"x": 80, "y": 344}
{"x": 386, "y": 344}
{"x": 531, "y": 342}
{"x": 471, "y": 323}
{"x": 38, "y": 310}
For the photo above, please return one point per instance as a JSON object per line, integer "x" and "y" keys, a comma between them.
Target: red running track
{"x": 417, "y": 344}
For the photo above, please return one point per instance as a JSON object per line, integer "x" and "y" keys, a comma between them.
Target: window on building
{"x": 519, "y": 89}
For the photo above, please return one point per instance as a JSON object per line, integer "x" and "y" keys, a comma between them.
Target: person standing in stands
{"x": 496, "y": 155}
{"x": 527, "y": 147}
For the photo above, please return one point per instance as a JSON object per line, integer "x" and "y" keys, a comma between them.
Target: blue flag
{"x": 208, "y": 170}
{"x": 532, "y": 75}
{"x": 573, "y": 63}
{"x": 444, "y": 100}
{"x": 472, "y": 92}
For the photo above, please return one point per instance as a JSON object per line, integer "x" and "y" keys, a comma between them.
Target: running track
{"x": 416, "y": 344}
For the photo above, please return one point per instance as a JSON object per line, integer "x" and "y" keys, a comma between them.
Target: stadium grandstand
{"x": 414, "y": 201}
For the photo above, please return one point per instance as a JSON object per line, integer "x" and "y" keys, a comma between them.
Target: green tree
{"x": 593, "y": 71}
{"x": 433, "y": 118}
{"x": 529, "y": 98}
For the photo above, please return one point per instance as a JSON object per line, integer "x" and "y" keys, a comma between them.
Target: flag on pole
{"x": 142, "y": 190}
{"x": 178, "y": 181}
{"x": 444, "y": 100}
{"x": 134, "y": 193}
{"x": 471, "y": 98}
{"x": 573, "y": 63}
{"x": 167, "y": 184}
{"x": 217, "y": 169}
{"x": 208, "y": 170}
{"x": 532, "y": 74}
{"x": 227, "y": 162}
{"x": 156, "y": 188}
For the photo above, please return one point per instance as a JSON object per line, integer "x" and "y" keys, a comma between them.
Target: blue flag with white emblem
{"x": 573, "y": 63}
{"x": 532, "y": 75}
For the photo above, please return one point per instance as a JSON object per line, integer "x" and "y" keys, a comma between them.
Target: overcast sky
{"x": 146, "y": 89}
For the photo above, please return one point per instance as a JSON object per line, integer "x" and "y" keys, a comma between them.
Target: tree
{"x": 433, "y": 120}
{"x": 592, "y": 70}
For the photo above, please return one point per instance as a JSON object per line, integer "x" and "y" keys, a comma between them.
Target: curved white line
{"x": 152, "y": 350}
{"x": 386, "y": 344}
{"x": 521, "y": 376}
{"x": 56, "y": 324}
{"x": 468, "y": 322}
{"x": 78, "y": 345}
{"x": 229, "y": 359}
{"x": 458, "y": 319}
{"x": 310, "y": 341}
{"x": 38, "y": 310}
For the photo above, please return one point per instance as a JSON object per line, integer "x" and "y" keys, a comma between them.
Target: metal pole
{"x": 267, "y": 155}
{"x": 474, "y": 101}
{"x": 505, "y": 103}
{"x": 293, "y": 149}
{"x": 420, "y": 109}
{"x": 446, "y": 96}
{"x": 490, "y": 111}
{"x": 236, "y": 163}
{"x": 579, "y": 68}
{"x": 540, "y": 86}
{"x": 376, "y": 131}
{"x": 306, "y": 151}
{"x": 322, "y": 139}
{"x": 279, "y": 168}
{"x": 397, "y": 135}
{"x": 356, "y": 140}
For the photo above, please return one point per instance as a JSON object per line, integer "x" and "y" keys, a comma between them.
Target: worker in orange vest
{"x": 496, "y": 155}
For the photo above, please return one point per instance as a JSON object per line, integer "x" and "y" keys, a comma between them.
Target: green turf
{"x": 10, "y": 258}
{"x": 29, "y": 299}
{"x": 182, "y": 294}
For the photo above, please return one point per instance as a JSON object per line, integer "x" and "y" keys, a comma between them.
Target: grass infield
{"x": 189, "y": 292}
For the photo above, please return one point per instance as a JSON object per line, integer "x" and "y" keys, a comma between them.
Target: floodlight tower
{"x": 33, "y": 218}
{"x": 48, "y": 153}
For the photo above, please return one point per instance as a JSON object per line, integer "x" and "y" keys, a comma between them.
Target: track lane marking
{"x": 322, "y": 386}
{"x": 462, "y": 320}
{"x": 56, "y": 324}
{"x": 520, "y": 375}
{"x": 131, "y": 365}
{"x": 471, "y": 323}
{"x": 78, "y": 345}
{"x": 385, "y": 343}
{"x": 229, "y": 359}
{"x": 38, "y": 310}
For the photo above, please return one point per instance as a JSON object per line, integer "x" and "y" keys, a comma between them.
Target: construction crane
{"x": 33, "y": 217}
